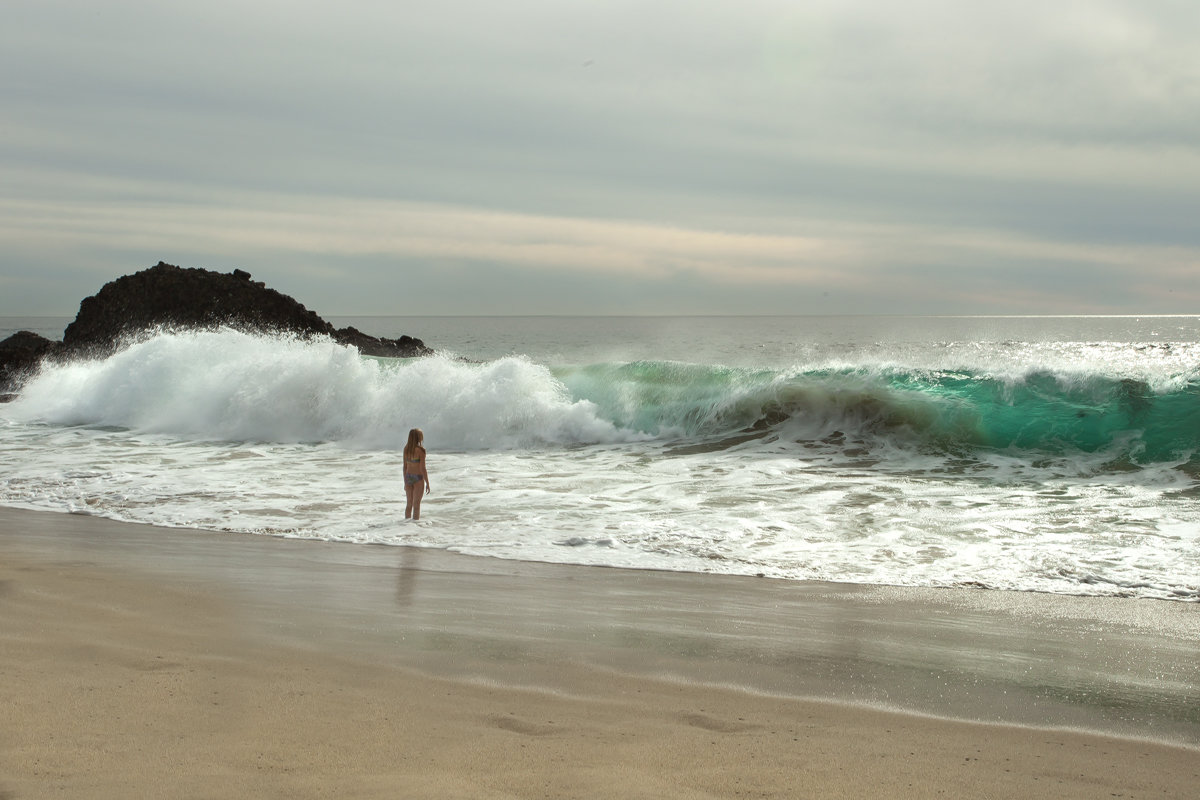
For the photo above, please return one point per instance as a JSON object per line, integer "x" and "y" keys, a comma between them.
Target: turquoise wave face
{"x": 1049, "y": 413}
{"x": 1039, "y": 412}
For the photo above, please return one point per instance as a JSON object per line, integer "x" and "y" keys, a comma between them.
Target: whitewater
{"x": 1057, "y": 455}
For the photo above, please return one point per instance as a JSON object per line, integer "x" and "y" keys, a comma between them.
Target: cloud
{"x": 841, "y": 146}
{"x": 341, "y": 227}
{"x": 847, "y": 257}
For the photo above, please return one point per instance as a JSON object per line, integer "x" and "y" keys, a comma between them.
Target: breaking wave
{"x": 233, "y": 386}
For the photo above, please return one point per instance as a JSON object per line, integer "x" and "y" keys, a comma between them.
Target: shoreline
{"x": 152, "y": 658}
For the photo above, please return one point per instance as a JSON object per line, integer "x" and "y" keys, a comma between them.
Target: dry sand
{"x": 143, "y": 662}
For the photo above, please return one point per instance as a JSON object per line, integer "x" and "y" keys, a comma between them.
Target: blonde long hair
{"x": 415, "y": 438}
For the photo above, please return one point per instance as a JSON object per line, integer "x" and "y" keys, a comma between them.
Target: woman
{"x": 416, "y": 479}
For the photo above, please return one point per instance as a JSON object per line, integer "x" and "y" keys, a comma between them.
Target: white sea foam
{"x": 299, "y": 438}
{"x": 231, "y": 386}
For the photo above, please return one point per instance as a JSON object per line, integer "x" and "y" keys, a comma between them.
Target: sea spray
{"x": 232, "y": 386}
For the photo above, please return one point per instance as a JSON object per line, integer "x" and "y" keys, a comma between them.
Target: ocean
{"x": 1005, "y": 453}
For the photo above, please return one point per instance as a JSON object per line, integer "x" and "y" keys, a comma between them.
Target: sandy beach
{"x": 148, "y": 662}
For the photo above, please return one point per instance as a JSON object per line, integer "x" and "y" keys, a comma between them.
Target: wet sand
{"x": 145, "y": 662}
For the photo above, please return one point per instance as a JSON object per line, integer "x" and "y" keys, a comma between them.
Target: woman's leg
{"x": 410, "y": 490}
{"x": 416, "y": 490}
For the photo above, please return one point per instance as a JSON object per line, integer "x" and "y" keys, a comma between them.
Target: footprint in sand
{"x": 523, "y": 726}
{"x": 716, "y": 725}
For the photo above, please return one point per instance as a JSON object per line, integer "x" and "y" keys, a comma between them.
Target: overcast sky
{"x": 609, "y": 157}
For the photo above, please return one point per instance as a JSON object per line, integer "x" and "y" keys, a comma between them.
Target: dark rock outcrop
{"x": 404, "y": 347}
{"x": 173, "y": 297}
{"x": 170, "y": 297}
{"x": 19, "y": 355}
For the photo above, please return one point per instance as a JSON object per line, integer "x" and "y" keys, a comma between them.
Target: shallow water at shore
{"x": 1120, "y": 666}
